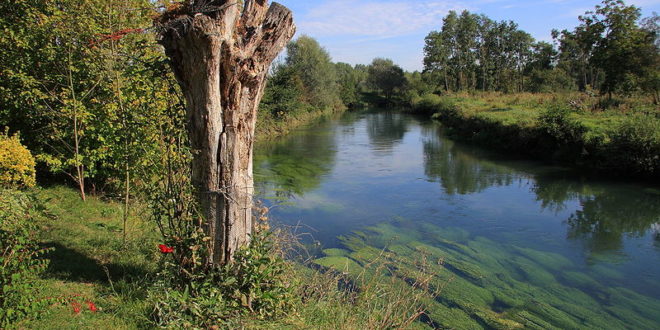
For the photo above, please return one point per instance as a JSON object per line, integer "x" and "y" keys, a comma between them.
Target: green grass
{"x": 91, "y": 263}
{"x": 615, "y": 137}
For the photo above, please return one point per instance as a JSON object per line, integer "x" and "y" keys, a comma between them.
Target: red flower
{"x": 92, "y": 307}
{"x": 165, "y": 249}
{"x": 76, "y": 308}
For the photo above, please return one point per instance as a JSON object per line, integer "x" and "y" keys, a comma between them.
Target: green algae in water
{"x": 335, "y": 252}
{"x": 484, "y": 284}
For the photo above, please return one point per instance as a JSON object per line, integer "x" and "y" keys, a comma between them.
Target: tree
{"x": 624, "y": 48}
{"x": 350, "y": 81}
{"x": 314, "y": 66}
{"x": 220, "y": 53}
{"x": 88, "y": 85}
{"x": 472, "y": 51}
{"x": 386, "y": 76}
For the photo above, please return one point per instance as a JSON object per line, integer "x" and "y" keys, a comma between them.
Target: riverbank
{"x": 270, "y": 126}
{"x": 90, "y": 264}
{"x": 619, "y": 137}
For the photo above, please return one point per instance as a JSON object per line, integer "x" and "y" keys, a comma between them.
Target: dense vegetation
{"x": 589, "y": 99}
{"x": 611, "y": 51}
{"x": 89, "y": 89}
{"x": 87, "y": 98}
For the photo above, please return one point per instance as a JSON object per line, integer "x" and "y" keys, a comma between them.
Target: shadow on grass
{"x": 68, "y": 264}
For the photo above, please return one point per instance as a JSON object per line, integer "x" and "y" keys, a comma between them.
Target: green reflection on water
{"x": 592, "y": 271}
{"x": 294, "y": 165}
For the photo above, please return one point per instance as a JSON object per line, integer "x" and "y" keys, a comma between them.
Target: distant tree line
{"x": 612, "y": 50}
{"x": 306, "y": 80}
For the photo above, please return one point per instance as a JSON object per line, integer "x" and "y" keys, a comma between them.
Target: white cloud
{"x": 375, "y": 18}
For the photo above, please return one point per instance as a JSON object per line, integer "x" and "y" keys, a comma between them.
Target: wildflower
{"x": 92, "y": 307}
{"x": 165, "y": 249}
{"x": 76, "y": 307}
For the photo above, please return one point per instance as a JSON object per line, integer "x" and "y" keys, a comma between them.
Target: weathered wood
{"x": 220, "y": 52}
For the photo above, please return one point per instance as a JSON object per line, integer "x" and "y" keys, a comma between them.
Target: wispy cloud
{"x": 375, "y": 18}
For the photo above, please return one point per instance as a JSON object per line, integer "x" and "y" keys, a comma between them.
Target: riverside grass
{"x": 619, "y": 136}
{"x": 90, "y": 263}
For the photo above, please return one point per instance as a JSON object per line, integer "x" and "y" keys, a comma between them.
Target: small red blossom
{"x": 76, "y": 307}
{"x": 92, "y": 307}
{"x": 165, "y": 249}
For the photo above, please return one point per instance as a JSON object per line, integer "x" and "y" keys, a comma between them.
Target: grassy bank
{"x": 616, "y": 137}
{"x": 271, "y": 126}
{"x": 91, "y": 263}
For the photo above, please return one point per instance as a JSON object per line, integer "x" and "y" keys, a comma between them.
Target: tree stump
{"x": 220, "y": 52}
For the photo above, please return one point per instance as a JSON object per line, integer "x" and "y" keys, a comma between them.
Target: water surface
{"x": 523, "y": 243}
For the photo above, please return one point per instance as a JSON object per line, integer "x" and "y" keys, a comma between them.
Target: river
{"x": 520, "y": 241}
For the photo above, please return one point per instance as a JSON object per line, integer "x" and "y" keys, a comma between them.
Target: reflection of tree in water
{"x": 386, "y": 129}
{"x": 607, "y": 216}
{"x": 458, "y": 171}
{"x": 608, "y": 213}
{"x": 554, "y": 189}
{"x": 295, "y": 164}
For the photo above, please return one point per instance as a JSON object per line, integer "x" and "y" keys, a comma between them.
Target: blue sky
{"x": 356, "y": 31}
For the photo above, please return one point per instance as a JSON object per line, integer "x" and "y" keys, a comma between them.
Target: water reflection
{"x": 457, "y": 170}
{"x": 386, "y": 129}
{"x": 608, "y": 216}
{"x": 295, "y": 165}
{"x": 599, "y": 215}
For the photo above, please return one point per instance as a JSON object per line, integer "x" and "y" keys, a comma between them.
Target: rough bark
{"x": 220, "y": 52}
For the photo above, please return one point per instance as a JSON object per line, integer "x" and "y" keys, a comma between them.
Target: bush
{"x": 557, "y": 124}
{"x": 636, "y": 144}
{"x": 19, "y": 257}
{"x": 255, "y": 284}
{"x": 428, "y": 103}
{"x": 16, "y": 163}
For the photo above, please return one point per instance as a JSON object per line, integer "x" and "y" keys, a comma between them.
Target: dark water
{"x": 550, "y": 247}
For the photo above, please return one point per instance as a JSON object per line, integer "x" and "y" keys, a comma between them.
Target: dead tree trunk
{"x": 220, "y": 52}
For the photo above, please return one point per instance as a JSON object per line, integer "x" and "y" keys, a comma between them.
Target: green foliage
{"x": 386, "y": 77}
{"x": 16, "y": 163}
{"x": 474, "y": 52}
{"x": 257, "y": 283}
{"x": 636, "y": 143}
{"x": 427, "y": 103}
{"x": 623, "y": 50}
{"x": 560, "y": 127}
{"x": 82, "y": 81}
{"x": 351, "y": 82}
{"x": 556, "y": 122}
{"x": 313, "y": 65}
{"x": 547, "y": 81}
{"x": 20, "y": 257}
{"x": 611, "y": 50}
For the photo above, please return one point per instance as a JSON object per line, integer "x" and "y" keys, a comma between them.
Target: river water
{"x": 520, "y": 242}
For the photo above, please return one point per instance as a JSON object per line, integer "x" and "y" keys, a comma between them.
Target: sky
{"x": 356, "y": 31}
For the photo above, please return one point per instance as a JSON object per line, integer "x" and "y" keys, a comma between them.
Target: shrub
{"x": 636, "y": 144}
{"x": 16, "y": 163}
{"x": 254, "y": 284}
{"x": 19, "y": 257}
{"x": 557, "y": 124}
{"x": 428, "y": 103}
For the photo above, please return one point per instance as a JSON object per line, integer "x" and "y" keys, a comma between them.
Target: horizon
{"x": 358, "y": 31}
